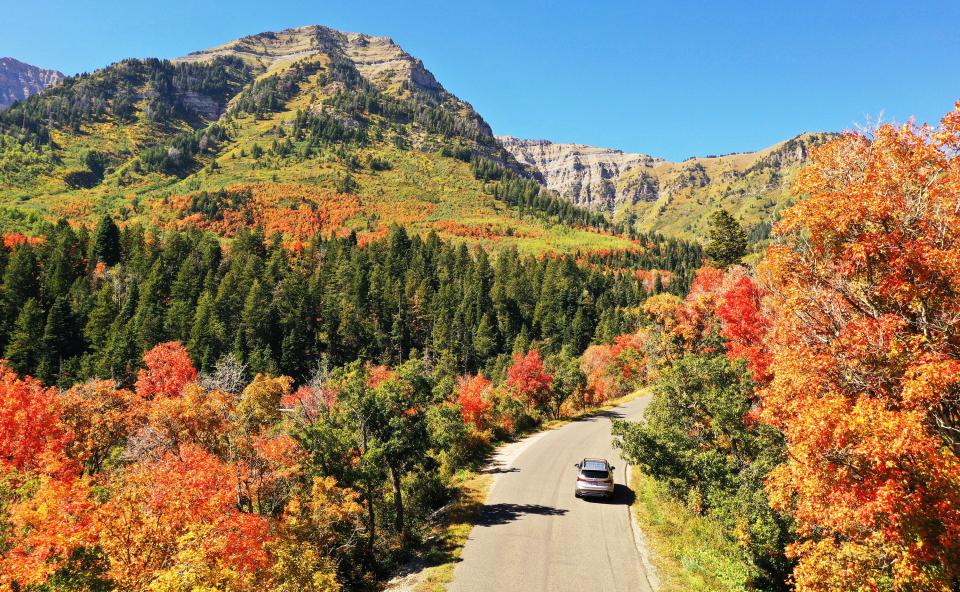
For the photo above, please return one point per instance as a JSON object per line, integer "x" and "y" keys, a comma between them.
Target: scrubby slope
{"x": 304, "y": 130}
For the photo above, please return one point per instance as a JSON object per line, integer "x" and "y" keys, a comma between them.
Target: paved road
{"x": 534, "y": 535}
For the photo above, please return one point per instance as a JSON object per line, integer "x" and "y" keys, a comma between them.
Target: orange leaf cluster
{"x": 529, "y": 381}
{"x": 32, "y": 436}
{"x": 866, "y": 361}
{"x": 168, "y": 370}
{"x": 11, "y": 240}
{"x": 488, "y": 230}
{"x": 296, "y": 211}
{"x": 473, "y": 396}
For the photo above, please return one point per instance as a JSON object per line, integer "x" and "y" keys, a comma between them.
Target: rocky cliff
{"x": 673, "y": 197}
{"x": 18, "y": 80}
{"x": 586, "y": 175}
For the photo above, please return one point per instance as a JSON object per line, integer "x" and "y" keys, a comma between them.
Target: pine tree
{"x": 20, "y": 283}
{"x": 727, "y": 242}
{"x": 21, "y": 278}
{"x": 485, "y": 339}
{"x": 59, "y": 341}
{"x": 101, "y": 317}
{"x": 106, "y": 242}
{"x": 148, "y": 320}
{"x": 24, "y": 348}
{"x": 207, "y": 337}
{"x": 255, "y": 328}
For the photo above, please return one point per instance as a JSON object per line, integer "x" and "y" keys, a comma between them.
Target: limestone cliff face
{"x": 18, "y": 80}
{"x": 601, "y": 178}
{"x": 586, "y": 175}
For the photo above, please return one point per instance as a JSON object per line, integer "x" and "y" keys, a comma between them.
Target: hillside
{"x": 670, "y": 197}
{"x": 302, "y": 131}
{"x": 19, "y": 80}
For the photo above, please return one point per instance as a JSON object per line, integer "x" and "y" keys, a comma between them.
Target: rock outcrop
{"x": 586, "y": 175}
{"x": 19, "y": 80}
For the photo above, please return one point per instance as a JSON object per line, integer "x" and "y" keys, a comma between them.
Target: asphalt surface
{"x": 534, "y": 535}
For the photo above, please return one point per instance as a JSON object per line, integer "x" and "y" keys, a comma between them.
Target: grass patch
{"x": 691, "y": 552}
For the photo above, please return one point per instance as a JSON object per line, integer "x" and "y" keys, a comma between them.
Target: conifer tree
{"x": 24, "y": 348}
{"x": 59, "y": 340}
{"x": 101, "y": 317}
{"x": 727, "y": 242}
{"x": 207, "y": 337}
{"x": 106, "y": 243}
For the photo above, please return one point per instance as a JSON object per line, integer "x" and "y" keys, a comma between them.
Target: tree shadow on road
{"x": 496, "y": 514}
{"x": 496, "y": 468}
{"x": 596, "y": 415}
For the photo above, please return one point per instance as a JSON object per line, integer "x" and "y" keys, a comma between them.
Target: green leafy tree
{"x": 568, "y": 378}
{"x": 697, "y": 438}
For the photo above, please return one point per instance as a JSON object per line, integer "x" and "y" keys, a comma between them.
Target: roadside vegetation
{"x": 690, "y": 552}
{"x": 808, "y": 406}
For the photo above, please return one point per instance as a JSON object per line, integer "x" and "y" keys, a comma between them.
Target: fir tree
{"x": 727, "y": 242}
{"x": 59, "y": 341}
{"x": 25, "y": 346}
{"x": 106, "y": 242}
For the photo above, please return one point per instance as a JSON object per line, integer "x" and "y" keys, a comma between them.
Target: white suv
{"x": 594, "y": 477}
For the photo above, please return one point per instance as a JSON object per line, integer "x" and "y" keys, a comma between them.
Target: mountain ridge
{"x": 311, "y": 117}
{"x": 674, "y": 197}
{"x": 19, "y": 80}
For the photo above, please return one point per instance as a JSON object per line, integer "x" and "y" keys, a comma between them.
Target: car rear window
{"x": 595, "y": 474}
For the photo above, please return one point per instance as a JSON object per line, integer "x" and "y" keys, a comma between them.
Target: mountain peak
{"x": 378, "y": 59}
{"x": 19, "y": 80}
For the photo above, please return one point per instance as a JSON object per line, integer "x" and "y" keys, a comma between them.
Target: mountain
{"x": 670, "y": 197}
{"x": 18, "y": 80}
{"x": 301, "y": 131}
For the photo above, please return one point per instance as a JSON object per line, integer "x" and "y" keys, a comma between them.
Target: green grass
{"x": 691, "y": 553}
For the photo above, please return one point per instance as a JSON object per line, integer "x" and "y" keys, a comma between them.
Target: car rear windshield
{"x": 595, "y": 474}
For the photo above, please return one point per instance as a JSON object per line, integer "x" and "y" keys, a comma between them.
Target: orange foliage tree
{"x": 98, "y": 414}
{"x": 179, "y": 507}
{"x": 32, "y": 437}
{"x": 529, "y": 381}
{"x": 473, "y": 396}
{"x": 866, "y": 387}
{"x": 168, "y": 370}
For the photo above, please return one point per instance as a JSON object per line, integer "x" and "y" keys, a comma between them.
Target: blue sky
{"x": 668, "y": 78}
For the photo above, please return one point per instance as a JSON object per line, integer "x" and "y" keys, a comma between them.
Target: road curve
{"x": 534, "y": 535}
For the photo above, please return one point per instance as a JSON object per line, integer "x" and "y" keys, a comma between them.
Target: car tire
{"x": 576, "y": 494}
